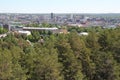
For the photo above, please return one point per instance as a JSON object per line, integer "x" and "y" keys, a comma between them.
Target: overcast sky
{"x": 60, "y": 6}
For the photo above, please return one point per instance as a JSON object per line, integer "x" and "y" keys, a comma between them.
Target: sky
{"x": 60, "y": 6}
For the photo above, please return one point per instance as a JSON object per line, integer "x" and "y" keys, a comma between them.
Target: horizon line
{"x": 57, "y": 13}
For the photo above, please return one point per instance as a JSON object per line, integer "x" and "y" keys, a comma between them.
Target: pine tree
{"x": 5, "y": 65}
{"x": 71, "y": 68}
{"x": 82, "y": 55}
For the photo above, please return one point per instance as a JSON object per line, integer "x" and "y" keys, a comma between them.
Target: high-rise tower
{"x": 52, "y": 15}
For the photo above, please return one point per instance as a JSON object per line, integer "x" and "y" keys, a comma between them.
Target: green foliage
{"x": 85, "y": 29}
{"x": 106, "y": 67}
{"x": 61, "y": 56}
{"x": 2, "y": 30}
{"x": 34, "y": 37}
{"x": 10, "y": 68}
{"x": 82, "y": 54}
{"x": 71, "y": 68}
{"x": 5, "y": 65}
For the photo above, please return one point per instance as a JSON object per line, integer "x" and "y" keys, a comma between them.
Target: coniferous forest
{"x": 61, "y": 56}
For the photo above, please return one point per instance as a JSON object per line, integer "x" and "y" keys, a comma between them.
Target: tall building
{"x": 52, "y": 15}
{"x": 71, "y": 16}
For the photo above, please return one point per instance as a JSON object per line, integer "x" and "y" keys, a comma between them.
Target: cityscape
{"x": 16, "y": 21}
{"x": 79, "y": 20}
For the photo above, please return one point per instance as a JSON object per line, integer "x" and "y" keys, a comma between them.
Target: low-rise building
{"x": 38, "y": 28}
{"x": 24, "y": 32}
{"x": 83, "y": 33}
{"x": 3, "y": 35}
{"x": 60, "y": 31}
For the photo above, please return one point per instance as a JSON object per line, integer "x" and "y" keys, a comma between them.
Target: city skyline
{"x": 59, "y": 6}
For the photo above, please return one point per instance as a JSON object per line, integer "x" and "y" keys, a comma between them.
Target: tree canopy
{"x": 61, "y": 56}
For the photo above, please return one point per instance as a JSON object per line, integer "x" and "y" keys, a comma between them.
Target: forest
{"x": 61, "y": 56}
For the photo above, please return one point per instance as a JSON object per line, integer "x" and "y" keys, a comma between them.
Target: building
{"x": 83, "y": 34}
{"x": 52, "y": 16}
{"x": 60, "y": 31}
{"x": 39, "y": 29}
{"x": 24, "y": 32}
{"x": 75, "y": 25}
{"x": 3, "y": 35}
